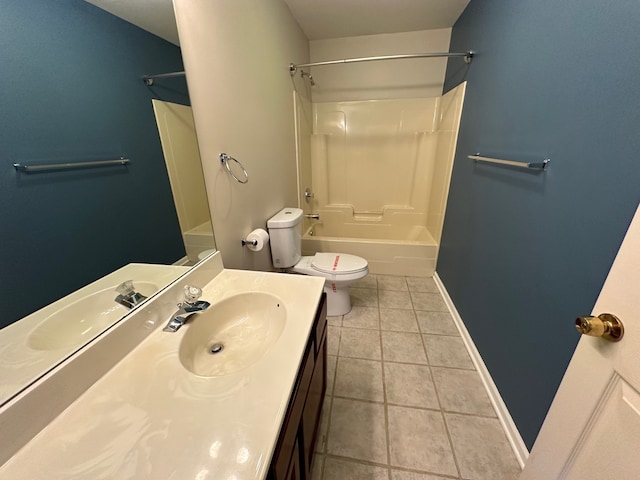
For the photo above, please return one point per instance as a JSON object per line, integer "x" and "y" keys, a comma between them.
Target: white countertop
{"x": 150, "y": 418}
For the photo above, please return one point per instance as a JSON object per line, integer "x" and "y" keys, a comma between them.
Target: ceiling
{"x": 348, "y": 18}
{"x": 318, "y": 19}
{"x": 155, "y": 16}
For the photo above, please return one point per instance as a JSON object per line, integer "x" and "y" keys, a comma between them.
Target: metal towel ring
{"x": 224, "y": 158}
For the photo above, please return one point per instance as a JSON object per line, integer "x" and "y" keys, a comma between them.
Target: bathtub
{"x": 197, "y": 240}
{"x": 390, "y": 250}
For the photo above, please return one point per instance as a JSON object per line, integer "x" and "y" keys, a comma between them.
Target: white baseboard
{"x": 509, "y": 426}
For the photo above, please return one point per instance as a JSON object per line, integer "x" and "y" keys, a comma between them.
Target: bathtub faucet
{"x": 315, "y": 216}
{"x": 191, "y": 305}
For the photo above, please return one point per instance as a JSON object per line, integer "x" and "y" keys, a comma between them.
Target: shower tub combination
{"x": 377, "y": 174}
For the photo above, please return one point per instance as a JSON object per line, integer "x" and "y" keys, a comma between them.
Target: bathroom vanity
{"x": 300, "y": 429}
{"x": 168, "y": 408}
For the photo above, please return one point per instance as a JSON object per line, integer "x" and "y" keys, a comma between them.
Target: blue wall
{"x": 71, "y": 90}
{"x": 523, "y": 254}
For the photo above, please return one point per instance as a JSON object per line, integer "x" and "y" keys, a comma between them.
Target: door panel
{"x": 592, "y": 430}
{"x": 614, "y": 435}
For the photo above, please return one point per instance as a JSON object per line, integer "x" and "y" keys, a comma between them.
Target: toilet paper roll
{"x": 257, "y": 240}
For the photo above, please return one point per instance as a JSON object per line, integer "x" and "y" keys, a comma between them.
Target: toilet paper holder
{"x": 256, "y": 240}
{"x": 249, "y": 242}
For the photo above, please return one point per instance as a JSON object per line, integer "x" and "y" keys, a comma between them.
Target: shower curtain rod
{"x": 148, "y": 79}
{"x": 467, "y": 59}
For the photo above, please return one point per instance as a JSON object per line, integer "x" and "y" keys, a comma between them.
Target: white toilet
{"x": 338, "y": 269}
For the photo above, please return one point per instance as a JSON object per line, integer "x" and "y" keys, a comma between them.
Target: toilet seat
{"x": 338, "y": 263}
{"x": 341, "y": 275}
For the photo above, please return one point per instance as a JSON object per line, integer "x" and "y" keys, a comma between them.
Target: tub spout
{"x": 315, "y": 216}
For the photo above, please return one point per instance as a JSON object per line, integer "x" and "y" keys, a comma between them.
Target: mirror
{"x": 73, "y": 92}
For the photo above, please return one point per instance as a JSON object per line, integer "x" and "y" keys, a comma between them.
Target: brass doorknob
{"x": 605, "y": 325}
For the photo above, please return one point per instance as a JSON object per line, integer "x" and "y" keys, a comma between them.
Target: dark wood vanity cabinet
{"x": 300, "y": 428}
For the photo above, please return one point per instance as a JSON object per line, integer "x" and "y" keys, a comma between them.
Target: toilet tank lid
{"x": 285, "y": 218}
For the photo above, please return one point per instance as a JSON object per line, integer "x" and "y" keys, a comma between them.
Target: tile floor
{"x": 403, "y": 399}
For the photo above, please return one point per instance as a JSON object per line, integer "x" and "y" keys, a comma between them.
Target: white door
{"x": 592, "y": 430}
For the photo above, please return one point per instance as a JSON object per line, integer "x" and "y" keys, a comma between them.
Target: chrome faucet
{"x": 190, "y": 306}
{"x": 128, "y": 296}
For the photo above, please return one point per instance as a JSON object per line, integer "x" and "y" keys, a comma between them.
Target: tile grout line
{"x": 331, "y": 397}
{"x": 444, "y": 421}
{"x": 384, "y": 386}
{"x": 435, "y": 389}
{"x": 382, "y": 466}
{"x": 414, "y": 407}
{"x": 410, "y": 363}
{"x": 384, "y": 393}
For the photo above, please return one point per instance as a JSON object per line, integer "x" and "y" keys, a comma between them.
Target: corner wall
{"x": 237, "y": 57}
{"x": 523, "y": 254}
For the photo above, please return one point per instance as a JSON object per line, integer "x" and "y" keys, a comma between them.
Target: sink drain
{"x": 216, "y": 348}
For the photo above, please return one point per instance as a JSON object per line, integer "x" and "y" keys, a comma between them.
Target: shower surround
{"x": 379, "y": 171}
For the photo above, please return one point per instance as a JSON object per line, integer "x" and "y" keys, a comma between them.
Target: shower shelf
{"x": 513, "y": 163}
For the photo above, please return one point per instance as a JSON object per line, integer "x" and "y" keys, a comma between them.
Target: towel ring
{"x": 224, "y": 158}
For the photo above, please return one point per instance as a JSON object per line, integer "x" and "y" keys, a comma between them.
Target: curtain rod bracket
{"x": 148, "y": 79}
{"x": 292, "y": 69}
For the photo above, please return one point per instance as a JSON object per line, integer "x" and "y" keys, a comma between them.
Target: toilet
{"x": 338, "y": 269}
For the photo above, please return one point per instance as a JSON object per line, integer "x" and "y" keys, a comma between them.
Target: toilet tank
{"x": 285, "y": 237}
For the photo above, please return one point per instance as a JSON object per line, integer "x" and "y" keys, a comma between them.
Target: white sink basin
{"x": 232, "y": 334}
{"x": 79, "y": 322}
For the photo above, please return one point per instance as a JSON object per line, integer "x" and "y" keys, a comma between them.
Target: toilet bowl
{"x": 338, "y": 269}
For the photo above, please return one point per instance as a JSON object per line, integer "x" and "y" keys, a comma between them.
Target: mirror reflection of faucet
{"x": 190, "y": 306}
{"x": 127, "y": 295}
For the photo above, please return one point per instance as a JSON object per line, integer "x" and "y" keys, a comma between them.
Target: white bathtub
{"x": 197, "y": 240}
{"x": 390, "y": 250}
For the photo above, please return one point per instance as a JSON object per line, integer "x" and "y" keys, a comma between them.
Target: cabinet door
{"x": 294, "y": 449}
{"x": 288, "y": 440}
{"x": 320, "y": 322}
{"x": 294, "y": 472}
{"x": 313, "y": 408}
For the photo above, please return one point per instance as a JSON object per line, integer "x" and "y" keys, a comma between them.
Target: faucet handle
{"x": 191, "y": 294}
{"x": 125, "y": 288}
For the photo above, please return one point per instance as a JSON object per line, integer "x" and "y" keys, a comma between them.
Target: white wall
{"x": 236, "y": 55}
{"x": 411, "y": 78}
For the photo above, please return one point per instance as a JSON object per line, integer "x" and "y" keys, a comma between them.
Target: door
{"x": 592, "y": 430}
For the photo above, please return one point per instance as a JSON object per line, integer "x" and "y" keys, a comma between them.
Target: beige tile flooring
{"x": 403, "y": 399}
